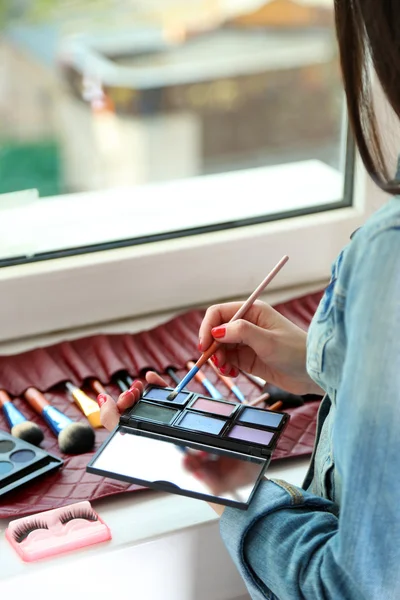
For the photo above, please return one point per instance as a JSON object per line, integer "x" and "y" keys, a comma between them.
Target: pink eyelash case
{"x": 57, "y": 531}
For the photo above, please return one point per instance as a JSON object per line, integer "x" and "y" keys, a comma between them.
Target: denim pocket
{"x": 320, "y": 333}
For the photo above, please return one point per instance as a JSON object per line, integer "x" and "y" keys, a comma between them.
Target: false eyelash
{"x": 88, "y": 515}
{"x": 22, "y": 531}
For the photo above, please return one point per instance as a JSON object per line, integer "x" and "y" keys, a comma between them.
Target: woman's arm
{"x": 291, "y": 544}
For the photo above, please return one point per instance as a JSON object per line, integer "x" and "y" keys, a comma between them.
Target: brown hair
{"x": 368, "y": 35}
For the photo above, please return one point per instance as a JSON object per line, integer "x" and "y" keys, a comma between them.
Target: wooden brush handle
{"x": 36, "y": 399}
{"x": 244, "y": 308}
{"x": 199, "y": 376}
{"x": 207, "y": 354}
{"x": 276, "y": 406}
{"x": 260, "y": 400}
{"x": 4, "y": 397}
{"x": 97, "y": 387}
{"x": 226, "y": 380}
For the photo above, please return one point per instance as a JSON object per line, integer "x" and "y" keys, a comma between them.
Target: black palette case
{"x": 195, "y": 446}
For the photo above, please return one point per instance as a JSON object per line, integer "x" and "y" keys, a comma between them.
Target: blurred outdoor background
{"x": 96, "y": 94}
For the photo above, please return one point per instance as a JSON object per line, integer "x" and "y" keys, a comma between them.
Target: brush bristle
{"x": 29, "y": 432}
{"x": 76, "y": 438}
{"x": 172, "y": 396}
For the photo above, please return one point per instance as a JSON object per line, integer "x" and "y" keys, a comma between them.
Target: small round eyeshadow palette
{"x": 21, "y": 462}
{"x": 218, "y": 423}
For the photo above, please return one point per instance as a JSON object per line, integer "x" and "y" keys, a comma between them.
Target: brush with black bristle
{"x": 123, "y": 380}
{"x": 73, "y": 438}
{"x": 19, "y": 425}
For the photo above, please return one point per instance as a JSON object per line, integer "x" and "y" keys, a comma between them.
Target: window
{"x": 178, "y": 149}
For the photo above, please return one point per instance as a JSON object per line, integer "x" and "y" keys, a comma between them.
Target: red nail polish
{"x": 218, "y": 332}
{"x": 133, "y": 386}
{"x": 199, "y": 475}
{"x": 233, "y": 372}
{"x": 215, "y": 360}
{"x": 223, "y": 370}
{"x": 101, "y": 399}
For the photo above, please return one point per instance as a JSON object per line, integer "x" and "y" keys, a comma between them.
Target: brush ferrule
{"x": 188, "y": 377}
{"x": 13, "y": 415}
{"x": 214, "y": 393}
{"x": 55, "y": 419}
{"x": 89, "y": 407}
{"x": 238, "y": 393}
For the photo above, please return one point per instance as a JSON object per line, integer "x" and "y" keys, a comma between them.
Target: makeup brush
{"x": 172, "y": 373}
{"x": 240, "y": 313}
{"x": 206, "y": 383}
{"x": 287, "y": 399}
{"x": 89, "y": 407}
{"x": 232, "y": 387}
{"x": 260, "y": 400}
{"x": 276, "y": 405}
{"x": 123, "y": 380}
{"x": 73, "y": 438}
{"x": 254, "y": 379}
{"x": 97, "y": 386}
{"x": 19, "y": 425}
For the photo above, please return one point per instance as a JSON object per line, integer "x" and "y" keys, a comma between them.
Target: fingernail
{"x": 233, "y": 372}
{"x": 199, "y": 348}
{"x": 126, "y": 395}
{"x": 215, "y": 360}
{"x": 218, "y": 332}
{"x": 223, "y": 370}
{"x": 101, "y": 399}
{"x": 133, "y": 386}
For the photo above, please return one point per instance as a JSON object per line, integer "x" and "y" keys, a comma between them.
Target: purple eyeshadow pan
{"x": 161, "y": 395}
{"x": 215, "y": 407}
{"x": 248, "y": 434}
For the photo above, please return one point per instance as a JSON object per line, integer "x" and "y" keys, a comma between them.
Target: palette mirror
{"x": 164, "y": 464}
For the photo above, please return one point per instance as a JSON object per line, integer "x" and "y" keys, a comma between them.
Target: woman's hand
{"x": 110, "y": 410}
{"x": 265, "y": 344}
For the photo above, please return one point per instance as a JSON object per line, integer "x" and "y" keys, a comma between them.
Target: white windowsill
{"x": 179, "y": 534}
{"x": 138, "y": 324}
{"x": 115, "y": 286}
{"x": 74, "y": 220}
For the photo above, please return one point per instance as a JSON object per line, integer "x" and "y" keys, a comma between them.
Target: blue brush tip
{"x": 238, "y": 393}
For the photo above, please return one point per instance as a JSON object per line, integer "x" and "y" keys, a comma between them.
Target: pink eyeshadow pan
{"x": 214, "y": 407}
{"x": 248, "y": 434}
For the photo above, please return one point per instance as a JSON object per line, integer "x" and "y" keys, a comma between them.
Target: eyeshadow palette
{"x": 231, "y": 443}
{"x": 217, "y": 423}
{"x": 21, "y": 462}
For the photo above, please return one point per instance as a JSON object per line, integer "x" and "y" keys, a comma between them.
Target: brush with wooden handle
{"x": 238, "y": 315}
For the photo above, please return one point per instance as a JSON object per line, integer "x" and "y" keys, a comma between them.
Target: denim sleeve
{"x": 290, "y": 544}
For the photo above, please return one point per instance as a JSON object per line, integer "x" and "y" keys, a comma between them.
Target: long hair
{"x": 368, "y": 33}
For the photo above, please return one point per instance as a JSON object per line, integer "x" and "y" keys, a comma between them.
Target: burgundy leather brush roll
{"x": 171, "y": 344}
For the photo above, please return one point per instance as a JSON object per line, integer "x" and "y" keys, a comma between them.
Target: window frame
{"x": 93, "y": 289}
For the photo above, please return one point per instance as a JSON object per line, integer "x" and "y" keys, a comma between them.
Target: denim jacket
{"x": 338, "y": 537}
